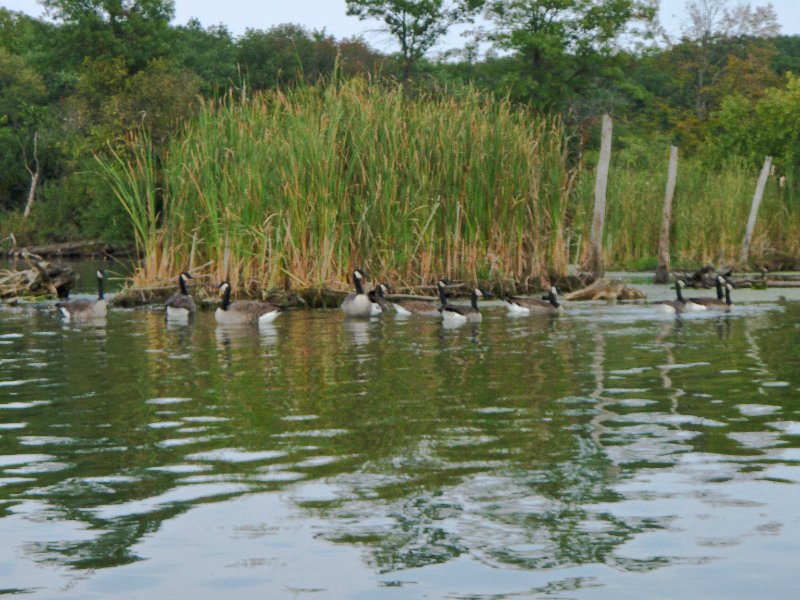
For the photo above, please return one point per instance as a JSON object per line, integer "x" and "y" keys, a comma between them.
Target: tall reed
{"x": 710, "y": 210}
{"x": 297, "y": 187}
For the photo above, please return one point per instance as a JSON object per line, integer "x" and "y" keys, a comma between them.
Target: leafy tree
{"x": 356, "y": 57}
{"x": 289, "y": 53}
{"x": 753, "y": 129}
{"x": 210, "y": 52}
{"x": 108, "y": 102}
{"x": 417, "y": 25}
{"x": 566, "y": 50}
{"x": 22, "y": 114}
{"x": 135, "y": 30}
{"x": 275, "y": 56}
{"x": 715, "y": 32}
{"x": 787, "y": 54}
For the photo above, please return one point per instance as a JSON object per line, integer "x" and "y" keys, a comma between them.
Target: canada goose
{"x": 180, "y": 305}
{"x": 526, "y": 306}
{"x": 719, "y": 301}
{"x": 357, "y": 304}
{"x": 728, "y": 302}
{"x": 688, "y": 305}
{"x": 462, "y": 314}
{"x": 376, "y": 296}
{"x": 244, "y": 311}
{"x": 680, "y": 304}
{"x": 85, "y": 309}
{"x": 423, "y": 308}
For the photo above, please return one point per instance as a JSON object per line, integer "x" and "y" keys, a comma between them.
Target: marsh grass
{"x": 295, "y": 188}
{"x": 710, "y": 210}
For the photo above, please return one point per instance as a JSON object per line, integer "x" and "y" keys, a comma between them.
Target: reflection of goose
{"x": 268, "y": 334}
{"x": 424, "y": 308}
{"x": 463, "y": 314}
{"x": 244, "y": 335}
{"x": 359, "y": 330}
{"x": 680, "y": 305}
{"x": 244, "y": 311}
{"x": 180, "y": 305}
{"x": 526, "y": 306}
{"x": 85, "y": 309}
{"x": 357, "y": 304}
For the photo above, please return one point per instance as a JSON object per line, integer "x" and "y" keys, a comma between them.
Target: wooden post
{"x": 662, "y": 272}
{"x": 751, "y": 221}
{"x": 595, "y": 262}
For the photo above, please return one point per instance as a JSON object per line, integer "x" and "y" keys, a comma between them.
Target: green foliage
{"x": 137, "y": 31}
{"x": 282, "y": 55}
{"x": 79, "y": 206}
{"x": 768, "y": 126}
{"x": 210, "y": 53}
{"x": 565, "y": 50}
{"x": 21, "y": 94}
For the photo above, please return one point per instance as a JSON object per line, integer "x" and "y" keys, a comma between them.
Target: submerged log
{"x": 43, "y": 278}
{"x": 607, "y": 289}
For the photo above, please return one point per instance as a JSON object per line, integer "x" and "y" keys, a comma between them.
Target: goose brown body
{"x": 720, "y": 301}
{"x": 357, "y": 304}
{"x": 460, "y": 313}
{"x": 180, "y": 305}
{"x": 85, "y": 309}
{"x": 517, "y": 305}
{"x": 244, "y": 311}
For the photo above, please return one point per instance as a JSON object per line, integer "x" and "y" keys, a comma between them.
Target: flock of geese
{"x": 360, "y": 304}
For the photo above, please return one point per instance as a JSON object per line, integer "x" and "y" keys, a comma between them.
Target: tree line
{"x": 73, "y": 85}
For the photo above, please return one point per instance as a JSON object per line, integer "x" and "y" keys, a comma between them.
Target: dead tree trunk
{"x": 34, "y": 177}
{"x": 751, "y": 221}
{"x": 595, "y": 263}
{"x": 662, "y": 272}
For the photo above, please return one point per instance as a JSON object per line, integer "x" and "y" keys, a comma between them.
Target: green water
{"x": 608, "y": 453}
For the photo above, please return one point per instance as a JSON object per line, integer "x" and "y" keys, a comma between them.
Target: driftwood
{"x": 705, "y": 277}
{"x": 66, "y": 250}
{"x": 42, "y": 278}
{"x": 607, "y": 289}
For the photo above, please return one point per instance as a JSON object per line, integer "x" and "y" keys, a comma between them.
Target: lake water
{"x": 607, "y": 453}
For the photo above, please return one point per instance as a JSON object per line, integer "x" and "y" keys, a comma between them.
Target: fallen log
{"x": 68, "y": 250}
{"x": 43, "y": 278}
{"x": 607, "y": 289}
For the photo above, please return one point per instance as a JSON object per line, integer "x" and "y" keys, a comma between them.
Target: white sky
{"x": 331, "y": 15}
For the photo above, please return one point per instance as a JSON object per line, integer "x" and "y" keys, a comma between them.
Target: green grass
{"x": 710, "y": 210}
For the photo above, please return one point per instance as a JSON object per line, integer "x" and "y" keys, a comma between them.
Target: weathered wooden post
{"x": 595, "y": 262}
{"x": 751, "y": 221}
{"x": 662, "y": 272}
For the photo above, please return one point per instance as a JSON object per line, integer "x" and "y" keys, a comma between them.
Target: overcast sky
{"x": 331, "y": 15}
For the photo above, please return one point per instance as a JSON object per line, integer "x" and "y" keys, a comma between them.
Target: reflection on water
{"x": 581, "y": 456}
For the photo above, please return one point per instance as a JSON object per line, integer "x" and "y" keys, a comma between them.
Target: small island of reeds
{"x": 294, "y": 188}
